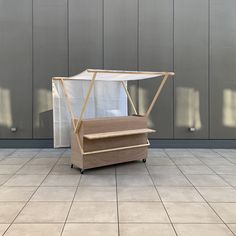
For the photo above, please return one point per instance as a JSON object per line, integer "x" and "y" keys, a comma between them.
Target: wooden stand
{"x": 107, "y": 141}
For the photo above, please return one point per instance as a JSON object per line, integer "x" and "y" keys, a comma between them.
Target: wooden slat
{"x": 118, "y": 133}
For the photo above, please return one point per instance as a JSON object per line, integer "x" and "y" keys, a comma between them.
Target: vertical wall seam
{"x": 173, "y": 65}
{"x": 32, "y": 72}
{"x": 138, "y": 67}
{"x": 68, "y": 39}
{"x": 103, "y": 35}
{"x": 209, "y": 73}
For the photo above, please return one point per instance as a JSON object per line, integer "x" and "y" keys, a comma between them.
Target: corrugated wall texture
{"x": 194, "y": 38}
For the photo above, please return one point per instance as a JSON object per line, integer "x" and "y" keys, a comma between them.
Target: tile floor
{"x": 184, "y": 192}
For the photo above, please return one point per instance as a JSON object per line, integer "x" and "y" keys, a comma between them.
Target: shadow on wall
{"x": 42, "y": 112}
{"x": 188, "y": 108}
{"x": 229, "y": 108}
{"x": 43, "y": 116}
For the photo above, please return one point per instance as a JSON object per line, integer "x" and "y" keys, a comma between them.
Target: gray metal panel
{"x": 85, "y": 35}
{"x": 120, "y": 34}
{"x": 191, "y": 68}
{"x": 222, "y": 69}
{"x": 16, "y": 68}
{"x": 156, "y": 53}
{"x": 50, "y": 59}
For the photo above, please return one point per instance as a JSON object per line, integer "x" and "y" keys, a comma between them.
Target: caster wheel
{"x": 81, "y": 171}
{"x": 71, "y": 166}
{"x": 144, "y": 160}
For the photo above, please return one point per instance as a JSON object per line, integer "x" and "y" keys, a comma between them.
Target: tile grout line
{"x": 117, "y": 204}
{"x": 215, "y": 172}
{"x": 26, "y": 202}
{"x": 71, "y": 205}
{"x": 205, "y": 199}
{"x": 161, "y": 200}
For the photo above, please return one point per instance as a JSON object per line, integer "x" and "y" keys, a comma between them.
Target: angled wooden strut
{"x": 129, "y": 97}
{"x": 166, "y": 75}
{"x": 91, "y": 85}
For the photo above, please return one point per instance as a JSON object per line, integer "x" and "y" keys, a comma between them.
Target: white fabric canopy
{"x": 116, "y": 75}
{"x": 106, "y": 100}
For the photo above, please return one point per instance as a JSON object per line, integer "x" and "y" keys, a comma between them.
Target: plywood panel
{"x": 156, "y": 53}
{"x": 85, "y": 35}
{"x": 222, "y": 72}
{"x": 16, "y": 68}
{"x": 191, "y": 68}
{"x": 120, "y": 34}
{"x": 50, "y": 59}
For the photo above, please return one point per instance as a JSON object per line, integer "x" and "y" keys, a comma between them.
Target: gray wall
{"x": 194, "y": 38}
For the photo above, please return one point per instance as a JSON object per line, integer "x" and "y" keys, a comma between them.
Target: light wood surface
{"x": 118, "y": 133}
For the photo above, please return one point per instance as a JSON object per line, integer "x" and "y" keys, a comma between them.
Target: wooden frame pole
{"x": 85, "y": 101}
{"x": 157, "y": 94}
{"x": 129, "y": 97}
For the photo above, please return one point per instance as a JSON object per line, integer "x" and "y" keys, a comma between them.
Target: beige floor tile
{"x": 191, "y": 213}
{"x": 227, "y": 211}
{"x": 231, "y": 179}
{"x": 4, "y": 178}
{"x": 54, "y": 194}
{"x": 106, "y": 170}
{"x": 159, "y": 161}
{"x": 179, "y": 194}
{"x": 16, "y": 193}
{"x": 214, "y": 161}
{"x": 218, "y": 194}
{"x": 25, "y": 180}
{"x": 15, "y": 161}
{"x": 34, "y": 170}
{"x": 164, "y": 170}
{"x": 196, "y": 169}
{"x": 90, "y": 230}
{"x": 170, "y": 180}
{"x": 64, "y": 161}
{"x": 231, "y": 159}
{"x": 232, "y": 227}
{"x": 131, "y": 168}
{"x": 225, "y": 169}
{"x": 44, "y": 212}
{"x": 43, "y": 161}
{"x": 202, "y": 230}
{"x": 34, "y": 230}
{"x": 21, "y": 154}
{"x": 146, "y": 230}
{"x": 3, "y": 228}
{"x": 93, "y": 212}
{"x": 134, "y": 180}
{"x": 64, "y": 170}
{"x": 142, "y": 212}
{"x": 137, "y": 194}
{"x": 9, "y": 211}
{"x": 97, "y": 180}
{"x": 186, "y": 161}
{"x": 95, "y": 194}
{"x": 9, "y": 169}
{"x": 207, "y": 180}
{"x": 61, "y": 180}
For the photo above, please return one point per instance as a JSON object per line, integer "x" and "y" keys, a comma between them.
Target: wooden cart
{"x": 105, "y": 141}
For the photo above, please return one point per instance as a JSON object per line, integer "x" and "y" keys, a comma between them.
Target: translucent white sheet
{"x": 106, "y": 100}
{"x": 116, "y": 75}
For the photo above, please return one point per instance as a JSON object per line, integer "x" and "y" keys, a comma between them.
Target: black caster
{"x": 144, "y": 160}
{"x": 71, "y": 166}
{"x": 81, "y": 171}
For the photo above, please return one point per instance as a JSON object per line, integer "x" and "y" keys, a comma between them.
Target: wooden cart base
{"x": 108, "y": 141}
